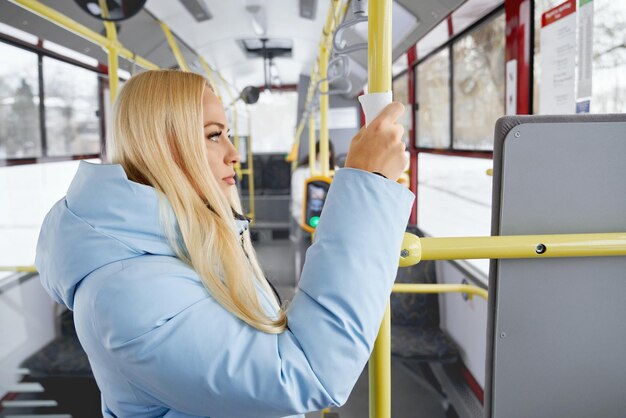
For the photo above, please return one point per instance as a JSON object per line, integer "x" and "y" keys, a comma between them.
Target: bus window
{"x": 478, "y": 85}
{"x": 433, "y": 97}
{"x": 273, "y": 120}
{"x": 72, "y": 125}
{"x": 20, "y": 134}
{"x": 454, "y": 202}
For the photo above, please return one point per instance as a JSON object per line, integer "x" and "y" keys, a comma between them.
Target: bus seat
{"x": 63, "y": 369}
{"x": 277, "y": 175}
{"x": 63, "y": 357}
{"x": 415, "y": 332}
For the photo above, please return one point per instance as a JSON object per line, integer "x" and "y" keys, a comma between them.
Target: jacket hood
{"x": 104, "y": 218}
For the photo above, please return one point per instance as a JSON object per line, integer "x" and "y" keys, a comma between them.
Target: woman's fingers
{"x": 390, "y": 113}
{"x": 379, "y": 147}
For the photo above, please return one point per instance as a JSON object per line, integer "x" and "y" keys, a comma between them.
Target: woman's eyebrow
{"x": 214, "y": 123}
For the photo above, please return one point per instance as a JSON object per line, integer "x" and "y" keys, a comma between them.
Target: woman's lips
{"x": 230, "y": 179}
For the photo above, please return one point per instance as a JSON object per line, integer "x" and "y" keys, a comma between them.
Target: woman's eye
{"x": 215, "y": 136}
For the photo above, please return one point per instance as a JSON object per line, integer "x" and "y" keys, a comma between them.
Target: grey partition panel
{"x": 557, "y": 327}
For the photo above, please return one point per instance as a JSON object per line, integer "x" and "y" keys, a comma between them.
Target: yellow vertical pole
{"x": 324, "y": 55}
{"x": 312, "y": 141}
{"x": 113, "y": 62}
{"x": 250, "y": 171}
{"x": 293, "y": 155}
{"x": 236, "y": 140}
{"x": 112, "y": 52}
{"x": 379, "y": 81}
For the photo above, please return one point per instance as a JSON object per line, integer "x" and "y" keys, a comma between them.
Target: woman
{"x": 169, "y": 301}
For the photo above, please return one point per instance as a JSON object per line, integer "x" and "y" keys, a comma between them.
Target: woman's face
{"x": 221, "y": 153}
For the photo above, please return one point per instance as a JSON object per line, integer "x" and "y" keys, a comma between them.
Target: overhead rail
{"x": 174, "y": 47}
{"x": 209, "y": 73}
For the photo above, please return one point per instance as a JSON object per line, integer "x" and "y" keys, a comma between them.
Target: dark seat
{"x": 63, "y": 357}
{"x": 277, "y": 175}
{"x": 415, "y": 332}
{"x": 62, "y": 368}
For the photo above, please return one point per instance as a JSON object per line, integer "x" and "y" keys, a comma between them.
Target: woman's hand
{"x": 379, "y": 147}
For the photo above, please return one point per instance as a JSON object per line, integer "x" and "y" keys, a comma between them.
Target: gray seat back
{"x": 557, "y": 327}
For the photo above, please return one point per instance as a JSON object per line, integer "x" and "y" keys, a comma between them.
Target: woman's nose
{"x": 232, "y": 156}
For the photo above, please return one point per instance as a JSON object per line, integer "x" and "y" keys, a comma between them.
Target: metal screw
{"x": 404, "y": 253}
{"x": 517, "y": 134}
{"x": 465, "y": 296}
{"x": 503, "y": 334}
{"x": 540, "y": 249}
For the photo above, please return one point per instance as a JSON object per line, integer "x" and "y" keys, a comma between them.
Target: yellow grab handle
{"x": 411, "y": 251}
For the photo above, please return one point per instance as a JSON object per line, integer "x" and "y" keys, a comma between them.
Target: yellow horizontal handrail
{"x": 524, "y": 246}
{"x": 19, "y": 269}
{"x": 415, "y": 249}
{"x": 440, "y": 288}
{"x": 60, "y": 19}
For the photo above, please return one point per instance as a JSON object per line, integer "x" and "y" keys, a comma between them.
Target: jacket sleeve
{"x": 204, "y": 361}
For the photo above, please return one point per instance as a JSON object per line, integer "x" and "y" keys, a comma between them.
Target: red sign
{"x": 558, "y": 12}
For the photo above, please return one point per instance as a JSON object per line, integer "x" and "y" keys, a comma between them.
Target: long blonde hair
{"x": 157, "y": 137}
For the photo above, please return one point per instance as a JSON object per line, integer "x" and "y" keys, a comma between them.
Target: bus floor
{"x": 408, "y": 399}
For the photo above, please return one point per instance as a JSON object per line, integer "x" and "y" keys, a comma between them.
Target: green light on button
{"x": 314, "y": 221}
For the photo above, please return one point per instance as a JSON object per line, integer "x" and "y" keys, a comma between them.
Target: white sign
{"x": 343, "y": 118}
{"x": 511, "y": 87}
{"x": 558, "y": 60}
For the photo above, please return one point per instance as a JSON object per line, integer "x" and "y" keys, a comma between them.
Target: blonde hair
{"x": 158, "y": 139}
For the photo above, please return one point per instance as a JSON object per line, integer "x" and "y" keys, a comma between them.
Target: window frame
{"x": 416, "y": 106}
{"x": 41, "y": 52}
{"x": 451, "y": 150}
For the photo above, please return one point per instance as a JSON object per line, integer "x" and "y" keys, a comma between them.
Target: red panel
{"x": 283, "y": 87}
{"x": 473, "y": 384}
{"x": 518, "y": 47}
{"x": 458, "y": 153}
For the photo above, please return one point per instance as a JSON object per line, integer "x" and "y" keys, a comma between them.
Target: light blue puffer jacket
{"x": 160, "y": 345}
